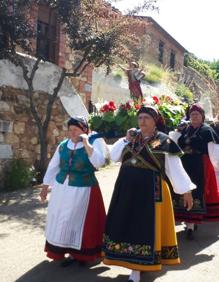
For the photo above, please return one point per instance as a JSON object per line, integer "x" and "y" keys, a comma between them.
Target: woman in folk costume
{"x": 201, "y": 155}
{"x": 140, "y": 228}
{"x": 76, "y": 214}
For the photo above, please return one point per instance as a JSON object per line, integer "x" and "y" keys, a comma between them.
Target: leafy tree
{"x": 97, "y": 36}
{"x": 205, "y": 68}
{"x": 15, "y": 29}
{"x": 215, "y": 67}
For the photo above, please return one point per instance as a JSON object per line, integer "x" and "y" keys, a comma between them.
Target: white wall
{"x": 45, "y": 80}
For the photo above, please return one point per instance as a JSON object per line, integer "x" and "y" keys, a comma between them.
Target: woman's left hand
{"x": 83, "y": 137}
{"x": 88, "y": 147}
{"x": 44, "y": 192}
{"x": 188, "y": 201}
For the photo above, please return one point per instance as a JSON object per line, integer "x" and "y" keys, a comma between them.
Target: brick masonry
{"x": 150, "y": 34}
{"x": 65, "y": 58}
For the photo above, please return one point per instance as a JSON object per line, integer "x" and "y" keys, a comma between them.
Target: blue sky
{"x": 193, "y": 23}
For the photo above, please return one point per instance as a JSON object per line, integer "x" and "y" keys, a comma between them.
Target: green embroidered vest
{"x": 76, "y": 165}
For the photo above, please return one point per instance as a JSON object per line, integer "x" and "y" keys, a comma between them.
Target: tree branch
{"x": 35, "y": 68}
{"x": 29, "y": 81}
{"x": 52, "y": 98}
{"x": 84, "y": 67}
{"x": 75, "y": 72}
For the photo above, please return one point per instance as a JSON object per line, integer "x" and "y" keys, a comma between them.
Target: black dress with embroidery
{"x": 131, "y": 225}
{"x": 194, "y": 143}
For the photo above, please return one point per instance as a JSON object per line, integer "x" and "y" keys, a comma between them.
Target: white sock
{"x": 135, "y": 276}
{"x": 190, "y": 225}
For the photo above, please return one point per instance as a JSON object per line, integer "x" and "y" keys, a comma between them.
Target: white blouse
{"x": 97, "y": 158}
{"x": 173, "y": 167}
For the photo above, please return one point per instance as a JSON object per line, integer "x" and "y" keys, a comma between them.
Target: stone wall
{"x": 151, "y": 51}
{"x": 205, "y": 90}
{"x": 19, "y": 135}
{"x": 45, "y": 80}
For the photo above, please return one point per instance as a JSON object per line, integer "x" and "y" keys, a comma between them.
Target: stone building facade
{"x": 158, "y": 46}
{"x": 52, "y": 44}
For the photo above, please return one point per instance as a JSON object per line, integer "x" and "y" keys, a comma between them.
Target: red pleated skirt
{"x": 211, "y": 193}
{"x": 92, "y": 238}
{"x": 211, "y": 197}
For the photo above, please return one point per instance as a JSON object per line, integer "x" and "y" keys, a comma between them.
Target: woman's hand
{"x": 83, "y": 138}
{"x": 131, "y": 133}
{"x": 44, "y": 192}
{"x": 188, "y": 201}
{"x": 88, "y": 147}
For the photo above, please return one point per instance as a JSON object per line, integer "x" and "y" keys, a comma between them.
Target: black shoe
{"x": 67, "y": 262}
{"x": 189, "y": 235}
{"x": 130, "y": 280}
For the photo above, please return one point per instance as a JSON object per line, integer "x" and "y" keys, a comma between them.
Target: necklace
{"x": 139, "y": 142}
{"x": 189, "y": 134}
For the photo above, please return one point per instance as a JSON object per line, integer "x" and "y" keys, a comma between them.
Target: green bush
{"x": 125, "y": 120}
{"x": 18, "y": 175}
{"x": 202, "y": 67}
{"x": 154, "y": 74}
{"x": 184, "y": 92}
{"x": 118, "y": 74}
{"x": 103, "y": 123}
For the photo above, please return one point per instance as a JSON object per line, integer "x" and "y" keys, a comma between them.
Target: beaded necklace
{"x": 141, "y": 142}
{"x": 189, "y": 135}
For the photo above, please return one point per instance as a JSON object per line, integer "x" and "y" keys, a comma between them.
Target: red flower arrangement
{"x": 156, "y": 100}
{"x": 137, "y": 106}
{"x": 125, "y": 107}
{"x": 108, "y": 107}
{"x": 121, "y": 118}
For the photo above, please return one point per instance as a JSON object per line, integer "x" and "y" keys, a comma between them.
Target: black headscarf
{"x": 80, "y": 122}
{"x": 155, "y": 114}
{"x": 196, "y": 107}
{"x": 150, "y": 111}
